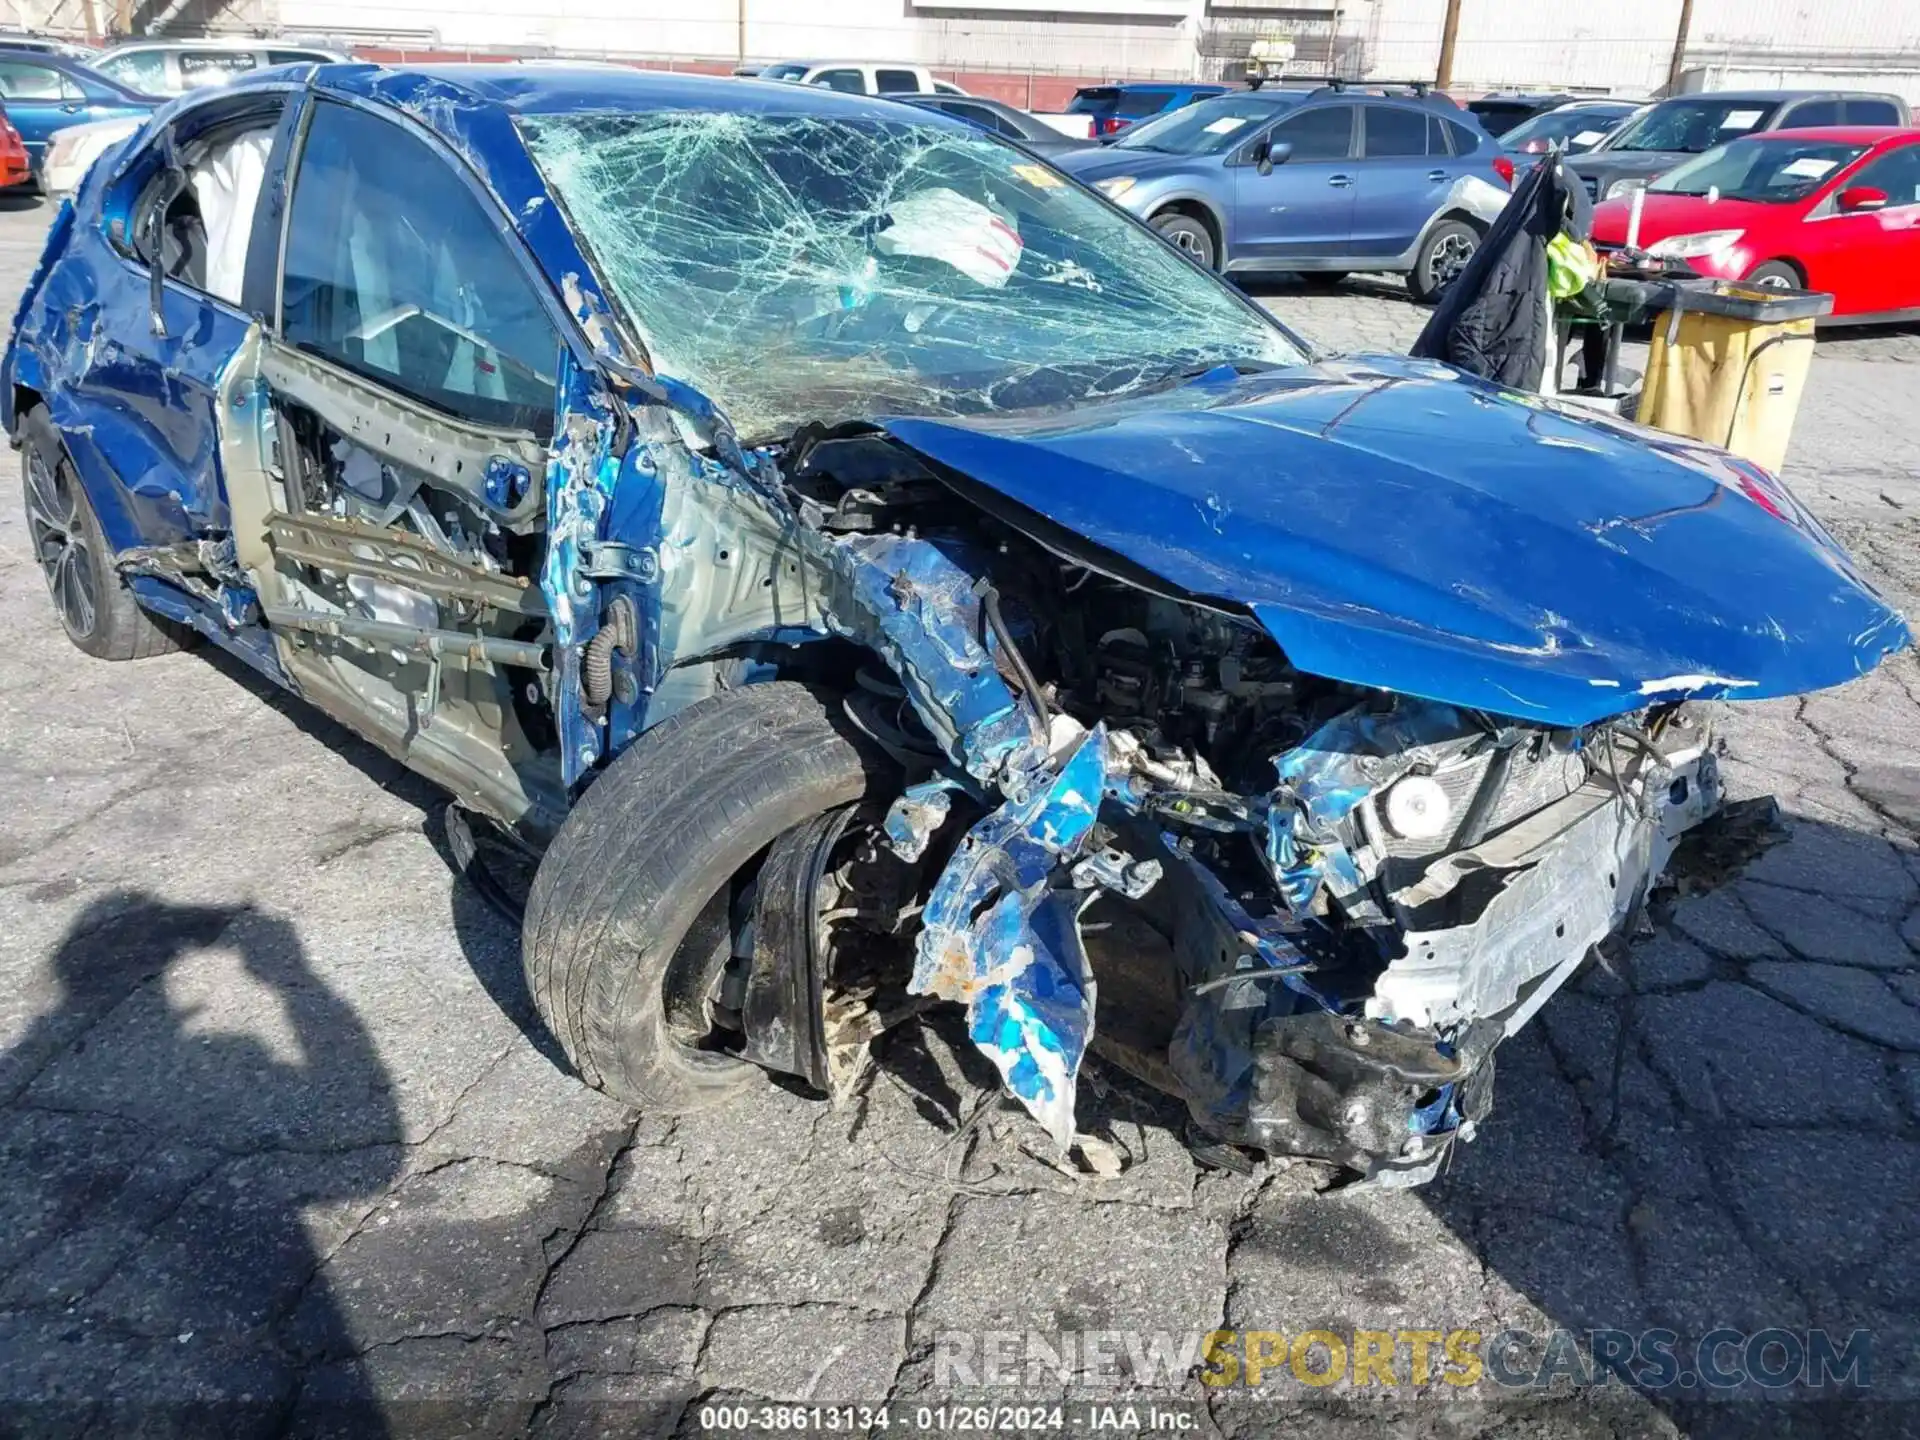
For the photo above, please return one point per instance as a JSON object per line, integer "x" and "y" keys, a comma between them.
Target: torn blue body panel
{"x": 926, "y": 623}
{"x": 1000, "y": 933}
{"x": 1400, "y": 525}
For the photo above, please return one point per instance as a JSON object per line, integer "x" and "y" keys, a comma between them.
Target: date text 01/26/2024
{"x": 1087, "y": 1417}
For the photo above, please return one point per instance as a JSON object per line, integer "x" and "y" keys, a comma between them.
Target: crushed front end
{"x": 1311, "y": 910}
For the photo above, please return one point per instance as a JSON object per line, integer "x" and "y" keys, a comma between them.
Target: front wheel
{"x": 1189, "y": 234}
{"x": 630, "y": 926}
{"x": 1448, "y": 248}
{"x": 1775, "y": 275}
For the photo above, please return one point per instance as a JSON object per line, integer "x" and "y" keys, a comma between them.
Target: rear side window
{"x": 1813, "y": 112}
{"x": 1872, "y": 112}
{"x": 395, "y": 270}
{"x": 296, "y": 57}
{"x": 851, "y": 81}
{"x": 35, "y": 82}
{"x": 1393, "y": 133}
{"x": 1094, "y": 100}
{"x": 1322, "y": 134}
{"x": 1136, "y": 104}
{"x": 1465, "y": 142}
{"x": 213, "y": 67}
{"x": 143, "y": 70}
{"x": 896, "y": 82}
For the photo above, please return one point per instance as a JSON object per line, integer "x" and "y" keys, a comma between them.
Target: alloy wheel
{"x": 60, "y": 545}
{"x": 1450, "y": 257}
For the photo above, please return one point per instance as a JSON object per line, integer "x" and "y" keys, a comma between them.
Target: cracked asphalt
{"x": 284, "y": 1149}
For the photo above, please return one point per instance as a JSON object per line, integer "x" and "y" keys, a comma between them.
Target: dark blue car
{"x": 843, "y": 553}
{"x": 1322, "y": 181}
{"x": 45, "y": 93}
{"x": 1114, "y": 108}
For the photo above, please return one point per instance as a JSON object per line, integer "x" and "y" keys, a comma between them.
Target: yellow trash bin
{"x": 1728, "y": 364}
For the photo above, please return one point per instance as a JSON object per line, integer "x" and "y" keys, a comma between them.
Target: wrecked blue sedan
{"x": 865, "y": 568}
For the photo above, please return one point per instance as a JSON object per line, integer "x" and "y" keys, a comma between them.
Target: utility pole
{"x": 1449, "y": 32}
{"x": 1679, "y": 60}
{"x": 92, "y": 24}
{"x": 740, "y": 31}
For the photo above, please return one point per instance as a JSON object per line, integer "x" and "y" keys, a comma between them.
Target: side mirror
{"x": 1856, "y": 198}
{"x": 1269, "y": 153}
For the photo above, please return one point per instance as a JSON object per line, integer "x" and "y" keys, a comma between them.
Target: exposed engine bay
{"x": 1121, "y": 819}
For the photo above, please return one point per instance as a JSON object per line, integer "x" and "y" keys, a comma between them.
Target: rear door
{"x": 1304, "y": 206}
{"x": 151, "y": 379}
{"x": 40, "y": 100}
{"x": 1398, "y": 184}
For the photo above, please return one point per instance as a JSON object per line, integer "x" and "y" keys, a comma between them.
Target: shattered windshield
{"x": 813, "y": 267}
{"x": 1692, "y": 126}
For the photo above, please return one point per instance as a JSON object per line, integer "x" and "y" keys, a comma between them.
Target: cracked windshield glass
{"x": 802, "y": 268}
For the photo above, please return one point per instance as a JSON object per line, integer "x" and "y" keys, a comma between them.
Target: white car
{"x": 860, "y": 77}
{"x": 72, "y": 151}
{"x": 173, "y": 67}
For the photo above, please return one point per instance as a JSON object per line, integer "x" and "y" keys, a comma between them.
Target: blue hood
{"x": 1397, "y": 524}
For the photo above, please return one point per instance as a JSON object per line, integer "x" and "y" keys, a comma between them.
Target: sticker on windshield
{"x": 1808, "y": 167}
{"x": 1226, "y": 124}
{"x": 1038, "y": 176}
{"x": 1741, "y": 119}
{"x": 1589, "y": 137}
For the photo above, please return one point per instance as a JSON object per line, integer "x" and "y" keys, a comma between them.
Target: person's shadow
{"x": 173, "y": 1148}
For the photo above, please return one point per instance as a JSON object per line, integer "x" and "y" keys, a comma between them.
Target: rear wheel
{"x": 1448, "y": 248}
{"x": 95, "y": 607}
{"x": 1187, "y": 232}
{"x": 1775, "y": 275}
{"x": 631, "y": 925}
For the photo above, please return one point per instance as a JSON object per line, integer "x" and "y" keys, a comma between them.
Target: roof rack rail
{"x": 1348, "y": 82}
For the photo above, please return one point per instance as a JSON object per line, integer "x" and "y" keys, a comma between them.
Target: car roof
{"x": 1844, "y": 134}
{"x": 1158, "y": 85}
{"x": 1772, "y": 95}
{"x": 564, "y": 89}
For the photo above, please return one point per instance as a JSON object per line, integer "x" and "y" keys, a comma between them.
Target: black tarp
{"x": 1493, "y": 320}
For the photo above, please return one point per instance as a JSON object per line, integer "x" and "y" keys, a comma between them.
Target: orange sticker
{"x": 1039, "y": 176}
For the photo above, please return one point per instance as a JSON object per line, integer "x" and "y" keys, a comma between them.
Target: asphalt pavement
{"x": 283, "y": 1145}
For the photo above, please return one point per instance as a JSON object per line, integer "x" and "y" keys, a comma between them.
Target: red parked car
{"x": 1835, "y": 209}
{"x": 15, "y": 167}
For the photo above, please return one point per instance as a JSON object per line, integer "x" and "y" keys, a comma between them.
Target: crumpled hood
{"x": 1397, "y": 524}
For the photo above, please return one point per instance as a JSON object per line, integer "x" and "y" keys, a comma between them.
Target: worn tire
{"x": 1778, "y": 275}
{"x": 1189, "y": 234}
{"x": 1428, "y": 277}
{"x": 629, "y": 900}
{"x": 95, "y": 607}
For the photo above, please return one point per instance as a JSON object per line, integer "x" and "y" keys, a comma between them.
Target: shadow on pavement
{"x": 1723, "y": 1135}
{"x": 161, "y": 1185}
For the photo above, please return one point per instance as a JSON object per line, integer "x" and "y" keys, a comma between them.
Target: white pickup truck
{"x": 859, "y": 77}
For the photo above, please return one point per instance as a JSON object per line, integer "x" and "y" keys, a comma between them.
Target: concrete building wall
{"x": 1033, "y": 52}
{"x": 1624, "y": 46}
